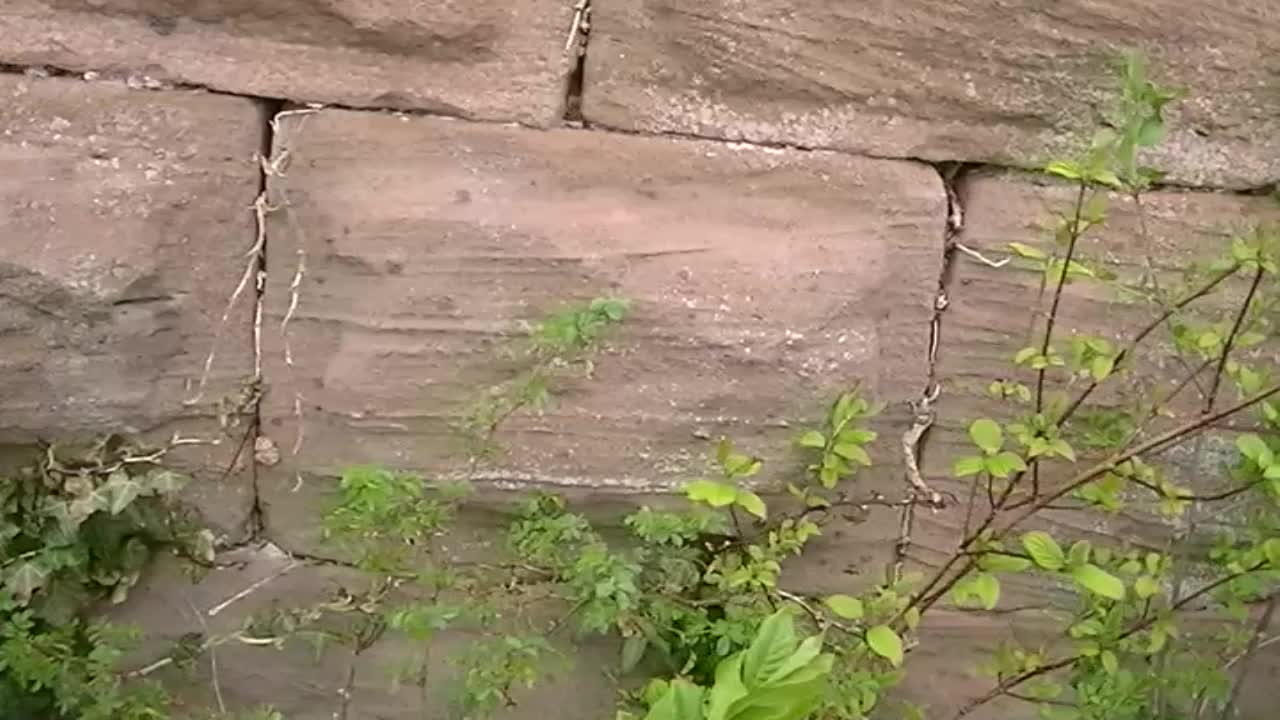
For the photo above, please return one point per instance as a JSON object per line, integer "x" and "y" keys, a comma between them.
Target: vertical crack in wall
{"x": 576, "y": 44}
{"x": 269, "y": 110}
{"x": 915, "y": 438}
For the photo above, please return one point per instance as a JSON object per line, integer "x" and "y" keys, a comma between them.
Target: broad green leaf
{"x": 1101, "y": 367}
{"x": 728, "y": 687}
{"x": 773, "y": 644}
{"x": 884, "y": 642}
{"x": 1151, "y": 132}
{"x": 1063, "y": 449}
{"x": 789, "y": 672}
{"x": 633, "y": 649}
{"x": 999, "y": 562}
{"x": 1145, "y": 587}
{"x": 1024, "y": 355}
{"x": 24, "y": 579}
{"x": 752, "y": 503}
{"x": 812, "y": 439}
{"x": 987, "y": 588}
{"x": 856, "y": 436}
{"x": 967, "y": 466}
{"x": 1079, "y": 553}
{"x": 1254, "y": 448}
{"x": 1004, "y": 464}
{"x": 711, "y": 492}
{"x": 682, "y": 701}
{"x": 850, "y": 451}
{"x": 1044, "y": 550}
{"x": 1064, "y": 169}
{"x": 986, "y": 434}
{"x": 1098, "y": 581}
{"x": 121, "y": 490}
{"x": 849, "y": 608}
{"x": 1109, "y": 662}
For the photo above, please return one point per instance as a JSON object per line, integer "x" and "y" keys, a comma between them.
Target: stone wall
{"x": 351, "y": 204}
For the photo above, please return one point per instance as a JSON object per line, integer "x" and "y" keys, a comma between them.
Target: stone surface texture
{"x": 762, "y": 281}
{"x": 1013, "y": 83}
{"x": 493, "y": 60}
{"x": 124, "y": 219}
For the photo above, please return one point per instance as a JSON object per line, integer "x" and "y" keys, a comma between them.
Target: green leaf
{"x": 1000, "y": 562}
{"x": 166, "y": 482}
{"x": 812, "y": 439}
{"x": 849, "y": 451}
{"x": 752, "y": 503}
{"x": 1109, "y": 662}
{"x": 987, "y": 588}
{"x": 1044, "y": 550}
{"x": 24, "y": 579}
{"x": 796, "y": 665}
{"x": 682, "y": 701}
{"x": 1271, "y": 548}
{"x": 728, "y": 687}
{"x": 856, "y": 436}
{"x": 1098, "y": 581}
{"x": 711, "y": 492}
{"x": 849, "y": 608}
{"x": 1151, "y": 132}
{"x": 1027, "y": 251}
{"x": 986, "y": 434}
{"x": 121, "y": 491}
{"x": 1063, "y": 449}
{"x": 884, "y": 642}
{"x": 773, "y": 644}
{"x": 1064, "y": 169}
{"x": 633, "y": 649}
{"x": 1254, "y": 448}
{"x": 967, "y": 466}
{"x": 1145, "y": 587}
{"x": 1079, "y": 552}
{"x": 1101, "y": 367}
{"x": 1004, "y": 464}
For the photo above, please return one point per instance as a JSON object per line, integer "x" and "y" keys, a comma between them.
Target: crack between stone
{"x": 579, "y": 36}
{"x": 572, "y": 121}
{"x": 268, "y": 109}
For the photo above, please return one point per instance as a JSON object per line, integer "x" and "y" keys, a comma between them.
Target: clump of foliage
{"x": 77, "y": 529}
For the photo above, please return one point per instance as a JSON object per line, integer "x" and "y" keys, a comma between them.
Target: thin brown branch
{"x": 1229, "y": 344}
{"x": 1057, "y": 292}
{"x": 1264, "y": 622}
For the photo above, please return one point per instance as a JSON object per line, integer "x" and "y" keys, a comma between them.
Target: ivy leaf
{"x": 986, "y": 434}
{"x": 25, "y": 579}
{"x": 849, "y": 608}
{"x": 166, "y": 482}
{"x": 710, "y": 492}
{"x": 121, "y": 491}
{"x": 812, "y": 439}
{"x": 1044, "y": 550}
{"x": 967, "y": 466}
{"x": 752, "y": 503}
{"x": 1004, "y": 464}
{"x": 1098, "y": 581}
{"x": 884, "y": 642}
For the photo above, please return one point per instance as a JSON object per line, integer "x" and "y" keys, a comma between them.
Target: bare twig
{"x": 1051, "y": 320}
{"x": 980, "y": 257}
{"x": 252, "y": 588}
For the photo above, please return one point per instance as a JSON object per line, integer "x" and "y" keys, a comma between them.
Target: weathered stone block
{"x": 125, "y": 220}
{"x": 762, "y": 281}
{"x": 1011, "y": 83}
{"x": 493, "y": 60}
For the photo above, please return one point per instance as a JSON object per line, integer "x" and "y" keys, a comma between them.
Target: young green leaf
{"x": 986, "y": 434}
{"x": 1253, "y": 447}
{"x": 1000, "y": 562}
{"x": 1027, "y": 251}
{"x": 711, "y": 492}
{"x": 884, "y": 642}
{"x": 1109, "y": 662}
{"x": 1004, "y": 464}
{"x": 987, "y": 588}
{"x": 775, "y": 641}
{"x": 1145, "y": 586}
{"x": 967, "y": 466}
{"x": 852, "y": 452}
{"x": 1271, "y": 548}
{"x": 849, "y": 608}
{"x": 1044, "y": 550}
{"x": 752, "y": 503}
{"x": 812, "y": 439}
{"x": 1098, "y": 581}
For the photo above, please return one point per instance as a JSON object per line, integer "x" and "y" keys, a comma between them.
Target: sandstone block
{"x": 1012, "y": 83}
{"x": 494, "y": 60}
{"x": 762, "y": 281}
{"x": 125, "y": 219}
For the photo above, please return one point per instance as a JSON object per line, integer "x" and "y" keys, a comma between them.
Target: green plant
{"x": 77, "y": 528}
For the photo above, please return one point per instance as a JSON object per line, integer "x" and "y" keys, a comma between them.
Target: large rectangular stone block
{"x": 1012, "y": 83}
{"x": 125, "y": 217}
{"x": 495, "y": 60}
{"x": 762, "y": 282}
